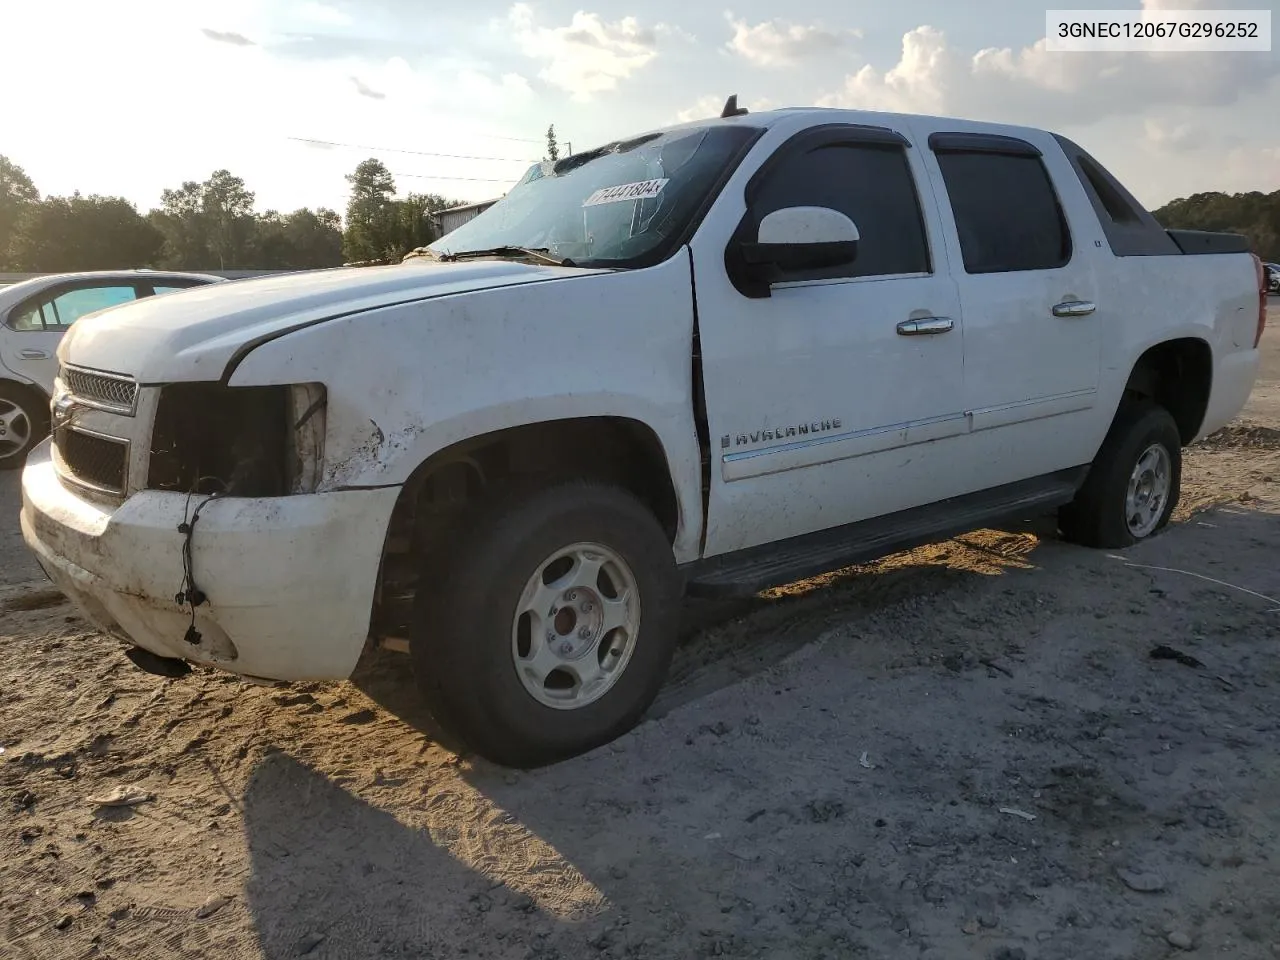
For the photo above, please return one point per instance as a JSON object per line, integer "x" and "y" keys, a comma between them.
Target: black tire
{"x": 33, "y": 411}
{"x": 462, "y": 643}
{"x": 1097, "y": 516}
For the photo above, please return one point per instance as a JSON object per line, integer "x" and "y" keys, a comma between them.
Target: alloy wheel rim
{"x": 1148, "y": 492}
{"x": 575, "y": 626}
{"x": 15, "y": 429}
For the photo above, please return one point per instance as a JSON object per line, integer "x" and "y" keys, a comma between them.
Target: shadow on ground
{"x": 882, "y": 805}
{"x": 334, "y": 876}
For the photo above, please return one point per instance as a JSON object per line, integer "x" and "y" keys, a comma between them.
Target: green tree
{"x": 315, "y": 236}
{"x": 17, "y": 192}
{"x": 553, "y": 145}
{"x": 272, "y": 250}
{"x": 227, "y": 207}
{"x": 372, "y": 220}
{"x": 417, "y": 221}
{"x": 302, "y": 240}
{"x": 83, "y": 233}
{"x": 181, "y": 221}
{"x": 1254, "y": 214}
{"x": 208, "y": 224}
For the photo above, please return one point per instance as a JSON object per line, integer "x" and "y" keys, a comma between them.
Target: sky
{"x": 129, "y": 97}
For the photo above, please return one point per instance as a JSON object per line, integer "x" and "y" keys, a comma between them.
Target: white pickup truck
{"x": 709, "y": 359}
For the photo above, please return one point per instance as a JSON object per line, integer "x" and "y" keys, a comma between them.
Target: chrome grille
{"x": 95, "y": 461}
{"x": 109, "y": 391}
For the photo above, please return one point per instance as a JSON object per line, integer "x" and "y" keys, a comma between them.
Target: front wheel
{"x": 546, "y": 621}
{"x": 1134, "y": 483}
{"x": 24, "y": 422}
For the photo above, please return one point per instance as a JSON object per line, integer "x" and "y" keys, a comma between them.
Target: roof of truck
{"x": 768, "y": 118}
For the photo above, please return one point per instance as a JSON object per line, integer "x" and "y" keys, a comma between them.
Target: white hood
{"x": 192, "y": 335}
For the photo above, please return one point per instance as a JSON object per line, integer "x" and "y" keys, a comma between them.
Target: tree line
{"x": 213, "y": 224}
{"x": 206, "y": 225}
{"x": 1255, "y": 214}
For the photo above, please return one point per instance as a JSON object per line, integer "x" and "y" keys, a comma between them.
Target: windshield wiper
{"x": 533, "y": 253}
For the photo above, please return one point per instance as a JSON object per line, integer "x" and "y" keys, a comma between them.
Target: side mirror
{"x": 803, "y": 238}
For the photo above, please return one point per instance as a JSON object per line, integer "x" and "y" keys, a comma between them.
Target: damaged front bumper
{"x": 289, "y": 580}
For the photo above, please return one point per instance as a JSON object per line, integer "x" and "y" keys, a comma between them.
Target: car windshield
{"x": 625, "y": 202}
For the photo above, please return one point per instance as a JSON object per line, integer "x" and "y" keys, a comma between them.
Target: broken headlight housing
{"x": 238, "y": 441}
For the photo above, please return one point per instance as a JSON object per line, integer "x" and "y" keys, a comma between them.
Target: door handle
{"x": 1074, "y": 308}
{"x": 33, "y": 354}
{"x": 928, "y": 327}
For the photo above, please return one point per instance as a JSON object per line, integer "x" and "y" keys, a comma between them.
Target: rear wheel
{"x": 1134, "y": 483}
{"x": 546, "y": 621}
{"x": 24, "y": 422}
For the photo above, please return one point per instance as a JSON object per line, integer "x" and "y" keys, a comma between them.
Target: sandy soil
{"x": 964, "y": 751}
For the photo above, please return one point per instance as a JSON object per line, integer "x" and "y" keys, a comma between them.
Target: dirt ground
{"x": 966, "y": 751}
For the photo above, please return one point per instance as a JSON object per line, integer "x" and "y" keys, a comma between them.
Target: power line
{"x": 423, "y": 176}
{"x": 416, "y": 153}
{"x": 494, "y": 136}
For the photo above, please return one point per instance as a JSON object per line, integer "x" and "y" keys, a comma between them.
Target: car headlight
{"x": 238, "y": 441}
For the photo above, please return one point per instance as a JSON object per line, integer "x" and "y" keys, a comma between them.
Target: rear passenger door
{"x": 1029, "y": 291}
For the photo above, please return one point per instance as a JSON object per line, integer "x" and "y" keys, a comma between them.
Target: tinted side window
{"x": 172, "y": 288}
{"x": 74, "y": 304}
{"x": 1130, "y": 230}
{"x": 872, "y": 185}
{"x": 1006, "y": 211}
{"x": 1117, "y": 207}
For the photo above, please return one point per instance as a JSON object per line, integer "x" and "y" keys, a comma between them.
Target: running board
{"x": 745, "y": 573}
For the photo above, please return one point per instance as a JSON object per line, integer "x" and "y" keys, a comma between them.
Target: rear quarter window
{"x": 26, "y": 319}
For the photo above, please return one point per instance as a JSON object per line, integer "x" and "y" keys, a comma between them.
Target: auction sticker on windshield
{"x": 644, "y": 190}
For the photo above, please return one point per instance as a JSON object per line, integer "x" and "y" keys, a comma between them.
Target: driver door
{"x": 835, "y": 394}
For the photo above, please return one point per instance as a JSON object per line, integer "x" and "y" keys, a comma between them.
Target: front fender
{"x": 405, "y": 382}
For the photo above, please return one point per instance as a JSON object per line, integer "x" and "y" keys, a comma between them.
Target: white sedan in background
{"x": 34, "y": 314}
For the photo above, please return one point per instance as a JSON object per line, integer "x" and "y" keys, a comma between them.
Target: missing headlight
{"x": 238, "y": 441}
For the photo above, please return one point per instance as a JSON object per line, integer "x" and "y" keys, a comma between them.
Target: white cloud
{"x": 778, "y": 43}
{"x": 1255, "y": 168}
{"x": 365, "y": 90}
{"x": 227, "y": 36}
{"x": 706, "y": 108}
{"x": 1165, "y": 135}
{"x": 591, "y": 55}
{"x": 918, "y": 82}
{"x": 1034, "y": 86}
{"x": 1138, "y": 114}
{"x": 482, "y": 90}
{"x": 275, "y": 98}
{"x": 1159, "y": 171}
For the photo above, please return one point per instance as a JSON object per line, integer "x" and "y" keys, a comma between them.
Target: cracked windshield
{"x": 617, "y": 203}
